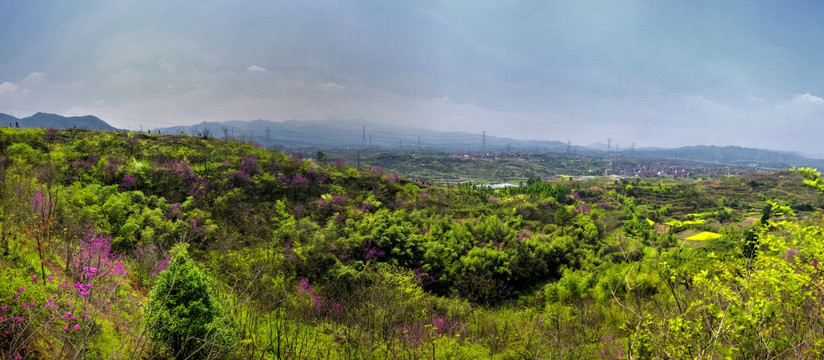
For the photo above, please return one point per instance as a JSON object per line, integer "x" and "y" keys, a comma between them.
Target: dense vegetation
{"x": 127, "y": 245}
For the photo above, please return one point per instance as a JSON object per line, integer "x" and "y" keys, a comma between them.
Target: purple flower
{"x": 371, "y": 251}
{"x": 127, "y": 182}
{"x": 40, "y": 204}
{"x": 299, "y": 210}
{"x": 304, "y": 287}
{"x": 34, "y": 278}
{"x": 300, "y": 180}
{"x": 162, "y": 265}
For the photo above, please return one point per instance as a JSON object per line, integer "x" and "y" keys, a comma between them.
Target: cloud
{"x": 8, "y": 88}
{"x": 333, "y": 86}
{"x": 256, "y": 68}
{"x": 35, "y": 77}
{"x": 806, "y": 97}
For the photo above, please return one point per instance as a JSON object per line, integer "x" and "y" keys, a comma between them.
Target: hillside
{"x": 131, "y": 245}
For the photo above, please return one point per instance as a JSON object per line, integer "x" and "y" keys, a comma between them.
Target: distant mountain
{"x": 45, "y": 120}
{"x": 354, "y": 134}
{"x": 7, "y": 120}
{"x": 362, "y": 134}
{"x": 735, "y": 155}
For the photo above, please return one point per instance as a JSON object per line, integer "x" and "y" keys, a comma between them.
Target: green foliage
{"x": 182, "y": 315}
{"x": 316, "y": 260}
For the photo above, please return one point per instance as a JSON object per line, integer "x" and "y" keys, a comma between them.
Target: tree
{"x": 182, "y": 317}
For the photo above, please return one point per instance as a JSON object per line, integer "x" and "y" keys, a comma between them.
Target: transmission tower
{"x": 363, "y": 137}
{"x": 568, "y": 146}
{"x": 609, "y": 144}
{"x": 483, "y": 145}
{"x": 268, "y": 134}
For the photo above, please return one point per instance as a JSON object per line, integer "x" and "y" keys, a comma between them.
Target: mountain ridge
{"x": 360, "y": 133}
{"x": 47, "y": 120}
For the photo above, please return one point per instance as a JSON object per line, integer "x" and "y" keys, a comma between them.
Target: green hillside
{"x": 128, "y": 245}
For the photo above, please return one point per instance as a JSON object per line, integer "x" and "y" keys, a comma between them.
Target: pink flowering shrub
{"x": 319, "y": 305}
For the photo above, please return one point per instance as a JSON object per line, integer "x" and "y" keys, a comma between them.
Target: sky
{"x": 653, "y": 73}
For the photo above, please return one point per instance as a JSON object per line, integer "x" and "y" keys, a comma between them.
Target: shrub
{"x": 182, "y": 317}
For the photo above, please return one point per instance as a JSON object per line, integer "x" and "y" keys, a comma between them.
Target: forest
{"x": 126, "y": 245}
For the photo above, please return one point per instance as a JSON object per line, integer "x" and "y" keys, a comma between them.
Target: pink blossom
{"x": 304, "y": 286}
{"x": 76, "y": 327}
{"x": 34, "y": 278}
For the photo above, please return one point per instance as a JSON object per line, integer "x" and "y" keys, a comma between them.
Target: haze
{"x": 653, "y": 73}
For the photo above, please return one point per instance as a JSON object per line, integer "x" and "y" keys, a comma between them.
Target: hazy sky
{"x": 656, "y": 73}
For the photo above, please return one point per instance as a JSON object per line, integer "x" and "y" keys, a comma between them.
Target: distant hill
{"x": 45, "y": 120}
{"x": 7, "y": 120}
{"x": 355, "y": 134}
{"x": 362, "y": 134}
{"x": 735, "y": 155}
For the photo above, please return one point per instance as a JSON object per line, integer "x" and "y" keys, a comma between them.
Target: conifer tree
{"x": 182, "y": 317}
